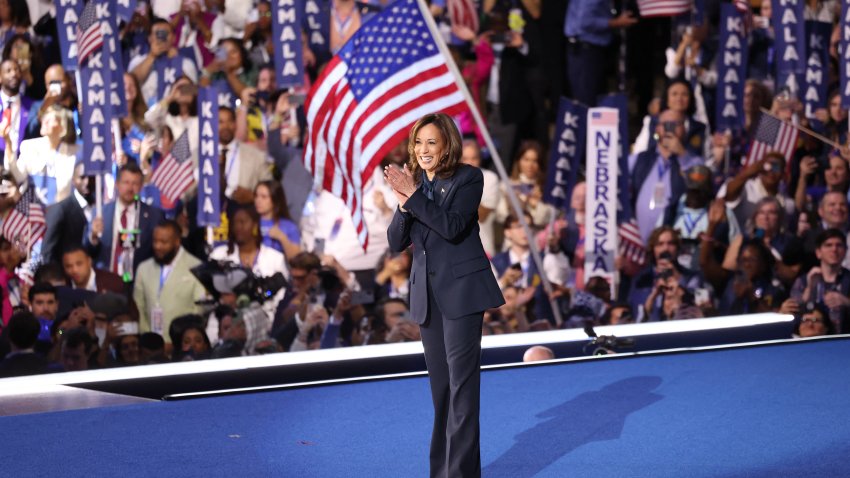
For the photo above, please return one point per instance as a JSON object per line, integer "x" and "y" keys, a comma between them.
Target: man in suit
{"x": 242, "y": 165}
{"x": 104, "y": 240}
{"x": 81, "y": 275}
{"x": 518, "y": 254}
{"x": 23, "y": 332}
{"x": 451, "y": 284}
{"x": 67, "y": 219}
{"x": 165, "y": 287}
{"x": 18, "y": 108}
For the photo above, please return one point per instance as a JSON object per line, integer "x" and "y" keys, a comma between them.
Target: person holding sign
{"x": 451, "y": 283}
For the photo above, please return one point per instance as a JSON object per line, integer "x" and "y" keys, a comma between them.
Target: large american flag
{"x": 89, "y": 33}
{"x": 25, "y": 224}
{"x": 463, "y": 13}
{"x": 663, "y": 8}
{"x": 772, "y": 134}
{"x": 175, "y": 174}
{"x": 388, "y": 75}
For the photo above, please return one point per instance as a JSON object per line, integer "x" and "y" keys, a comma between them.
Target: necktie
{"x": 119, "y": 242}
{"x": 222, "y": 173}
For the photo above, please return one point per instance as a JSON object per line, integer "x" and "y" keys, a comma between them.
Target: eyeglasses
{"x": 298, "y": 277}
{"x": 811, "y": 320}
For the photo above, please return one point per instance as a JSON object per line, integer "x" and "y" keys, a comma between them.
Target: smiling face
{"x": 429, "y": 148}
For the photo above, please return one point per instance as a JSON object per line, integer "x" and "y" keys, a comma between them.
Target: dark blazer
{"x": 502, "y": 261}
{"x": 102, "y": 252}
{"x": 66, "y": 225}
{"x": 447, "y": 251}
{"x": 23, "y": 364}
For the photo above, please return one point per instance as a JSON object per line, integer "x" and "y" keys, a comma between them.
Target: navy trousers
{"x": 453, "y": 356}
{"x": 585, "y": 71}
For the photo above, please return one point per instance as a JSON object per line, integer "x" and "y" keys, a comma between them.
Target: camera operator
{"x": 391, "y": 323}
{"x": 317, "y": 307}
{"x": 669, "y": 300}
{"x": 664, "y": 244}
{"x": 245, "y": 248}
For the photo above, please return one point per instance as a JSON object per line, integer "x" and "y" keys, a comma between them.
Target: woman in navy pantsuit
{"x": 451, "y": 283}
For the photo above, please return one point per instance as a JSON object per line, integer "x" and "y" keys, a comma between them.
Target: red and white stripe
{"x": 173, "y": 178}
{"x": 663, "y": 8}
{"x": 23, "y": 230}
{"x": 631, "y": 244}
{"x": 463, "y": 13}
{"x": 786, "y": 143}
{"x": 347, "y": 139}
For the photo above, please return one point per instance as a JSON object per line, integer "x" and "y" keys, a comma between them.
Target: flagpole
{"x": 497, "y": 160}
{"x": 804, "y": 129}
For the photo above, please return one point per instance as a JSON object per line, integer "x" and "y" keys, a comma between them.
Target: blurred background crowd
{"x": 285, "y": 272}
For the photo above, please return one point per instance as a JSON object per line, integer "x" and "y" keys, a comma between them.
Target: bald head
{"x": 538, "y": 353}
{"x": 54, "y": 73}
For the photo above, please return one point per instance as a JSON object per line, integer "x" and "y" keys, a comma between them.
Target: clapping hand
{"x": 401, "y": 181}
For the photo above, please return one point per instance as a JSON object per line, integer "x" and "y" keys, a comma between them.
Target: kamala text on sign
{"x": 817, "y": 60}
{"x": 209, "y": 196}
{"x": 790, "y": 43}
{"x": 97, "y": 115}
{"x": 112, "y": 50}
{"x": 732, "y": 70}
{"x": 317, "y": 24}
{"x": 286, "y": 21}
{"x": 566, "y": 155}
{"x": 844, "y": 65}
{"x": 67, "y": 18}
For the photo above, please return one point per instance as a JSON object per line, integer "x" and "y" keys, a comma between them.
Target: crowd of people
{"x": 721, "y": 237}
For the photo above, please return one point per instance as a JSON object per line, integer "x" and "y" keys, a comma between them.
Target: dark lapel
{"x": 442, "y": 188}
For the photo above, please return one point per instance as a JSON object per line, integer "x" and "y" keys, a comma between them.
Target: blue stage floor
{"x": 778, "y": 410}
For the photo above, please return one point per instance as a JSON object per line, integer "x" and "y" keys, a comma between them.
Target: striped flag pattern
{"x": 772, "y": 134}
{"x": 663, "y": 8}
{"x": 175, "y": 174}
{"x": 25, "y": 224}
{"x": 89, "y": 33}
{"x": 463, "y": 13}
{"x": 388, "y": 75}
{"x": 631, "y": 244}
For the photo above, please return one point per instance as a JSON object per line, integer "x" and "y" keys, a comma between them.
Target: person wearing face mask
{"x": 165, "y": 287}
{"x": 451, "y": 283}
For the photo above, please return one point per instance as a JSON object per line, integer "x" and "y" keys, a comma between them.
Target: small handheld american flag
{"x": 772, "y": 134}
{"x": 175, "y": 174}
{"x": 663, "y": 8}
{"x": 89, "y": 33}
{"x": 25, "y": 224}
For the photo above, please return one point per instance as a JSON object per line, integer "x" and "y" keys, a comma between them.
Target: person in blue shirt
{"x": 589, "y": 29}
{"x": 276, "y": 226}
